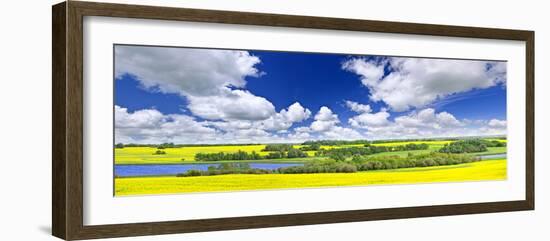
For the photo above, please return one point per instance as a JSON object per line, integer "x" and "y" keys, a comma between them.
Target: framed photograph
{"x": 171, "y": 120}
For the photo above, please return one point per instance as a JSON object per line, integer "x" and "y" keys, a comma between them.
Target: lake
{"x": 493, "y": 156}
{"x": 173, "y": 169}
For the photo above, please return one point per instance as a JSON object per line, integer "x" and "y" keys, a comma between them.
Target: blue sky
{"x": 185, "y": 95}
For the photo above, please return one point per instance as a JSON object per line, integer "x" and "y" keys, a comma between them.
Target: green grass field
{"x": 490, "y": 151}
{"x": 477, "y": 171}
{"x": 434, "y": 146}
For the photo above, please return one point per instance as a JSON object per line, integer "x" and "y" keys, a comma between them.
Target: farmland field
{"x": 144, "y": 155}
{"x": 490, "y": 151}
{"x": 477, "y": 171}
{"x": 139, "y": 171}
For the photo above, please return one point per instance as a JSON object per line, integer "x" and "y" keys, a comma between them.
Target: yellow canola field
{"x": 477, "y": 171}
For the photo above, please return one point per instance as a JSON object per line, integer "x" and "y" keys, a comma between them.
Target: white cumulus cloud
{"x": 283, "y": 120}
{"x": 418, "y": 82}
{"x": 231, "y": 105}
{"x": 494, "y": 127}
{"x": 186, "y": 71}
{"x": 495, "y": 123}
{"x": 326, "y": 125}
{"x": 357, "y": 107}
{"x": 324, "y": 120}
{"x": 422, "y": 124}
{"x": 206, "y": 77}
{"x": 151, "y": 126}
{"x": 280, "y": 121}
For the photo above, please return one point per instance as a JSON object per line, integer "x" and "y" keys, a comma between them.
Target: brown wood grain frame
{"x": 67, "y": 123}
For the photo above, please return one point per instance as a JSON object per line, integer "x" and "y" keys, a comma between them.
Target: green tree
{"x": 295, "y": 153}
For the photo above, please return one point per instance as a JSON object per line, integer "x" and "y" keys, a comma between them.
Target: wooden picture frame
{"x": 67, "y": 137}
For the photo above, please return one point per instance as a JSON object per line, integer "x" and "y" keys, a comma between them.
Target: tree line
{"x": 280, "y": 151}
{"x": 341, "y": 154}
{"x": 366, "y": 163}
{"x": 356, "y": 164}
{"x": 223, "y": 156}
{"x": 225, "y": 168}
{"x": 337, "y": 142}
{"x": 243, "y": 155}
{"x": 470, "y": 146}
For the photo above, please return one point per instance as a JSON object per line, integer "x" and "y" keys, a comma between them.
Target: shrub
{"x": 344, "y": 152}
{"x": 347, "y": 168}
{"x": 225, "y": 168}
{"x": 193, "y": 173}
{"x": 223, "y": 156}
{"x": 277, "y": 147}
{"x": 338, "y": 156}
{"x": 329, "y": 166}
{"x": 495, "y": 143}
{"x": 295, "y": 153}
{"x": 410, "y": 147}
{"x": 275, "y": 155}
{"x": 430, "y": 163}
{"x": 166, "y": 145}
{"x": 465, "y": 146}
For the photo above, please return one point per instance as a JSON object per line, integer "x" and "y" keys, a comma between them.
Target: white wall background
{"x": 25, "y": 104}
